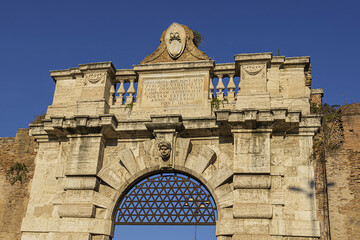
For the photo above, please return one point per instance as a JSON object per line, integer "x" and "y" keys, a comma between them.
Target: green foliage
{"x": 330, "y": 138}
{"x": 17, "y": 172}
{"x": 215, "y": 102}
{"x": 197, "y": 38}
{"x": 38, "y": 119}
{"x": 328, "y": 112}
{"x": 129, "y": 106}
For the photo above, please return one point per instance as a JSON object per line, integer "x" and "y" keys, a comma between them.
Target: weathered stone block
{"x": 83, "y": 196}
{"x": 81, "y": 183}
{"x": 65, "y": 225}
{"x": 43, "y": 211}
{"x": 229, "y": 226}
{"x": 251, "y": 196}
{"x": 115, "y": 175}
{"x": 302, "y": 228}
{"x": 86, "y": 156}
{"x": 251, "y": 152}
{"x": 80, "y": 210}
{"x": 33, "y": 236}
{"x": 220, "y": 176}
{"x": 277, "y": 227}
{"x": 128, "y": 159}
{"x": 183, "y": 147}
{"x": 252, "y": 210}
{"x": 225, "y": 195}
{"x": 256, "y": 226}
{"x": 252, "y": 181}
{"x": 202, "y": 160}
{"x": 277, "y": 197}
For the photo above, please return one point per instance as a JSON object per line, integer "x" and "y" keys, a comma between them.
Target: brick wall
{"x": 338, "y": 185}
{"x": 14, "y": 198}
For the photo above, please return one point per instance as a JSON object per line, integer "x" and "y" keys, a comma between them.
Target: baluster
{"x": 130, "y": 91}
{"x": 220, "y": 87}
{"x": 211, "y": 88}
{"x": 231, "y": 87}
{"x": 121, "y": 91}
{"x": 112, "y": 95}
{"x": 238, "y": 93}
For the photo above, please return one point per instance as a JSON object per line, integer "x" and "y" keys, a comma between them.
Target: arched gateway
{"x": 166, "y": 198}
{"x": 231, "y": 139}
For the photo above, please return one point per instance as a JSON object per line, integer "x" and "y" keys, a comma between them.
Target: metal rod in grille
{"x": 167, "y": 199}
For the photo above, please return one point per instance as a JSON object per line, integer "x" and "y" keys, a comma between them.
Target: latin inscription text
{"x": 172, "y": 92}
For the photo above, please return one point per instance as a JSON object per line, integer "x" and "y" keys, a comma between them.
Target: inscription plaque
{"x": 172, "y": 92}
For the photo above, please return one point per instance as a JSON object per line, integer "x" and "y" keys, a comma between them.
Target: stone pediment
{"x": 176, "y": 45}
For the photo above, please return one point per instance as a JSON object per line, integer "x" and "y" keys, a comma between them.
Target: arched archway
{"x": 166, "y": 198}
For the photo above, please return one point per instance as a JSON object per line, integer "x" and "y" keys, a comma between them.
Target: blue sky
{"x": 38, "y": 36}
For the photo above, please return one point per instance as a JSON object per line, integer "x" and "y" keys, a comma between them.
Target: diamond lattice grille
{"x": 167, "y": 198}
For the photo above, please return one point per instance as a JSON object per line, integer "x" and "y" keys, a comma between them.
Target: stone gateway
{"x": 242, "y": 132}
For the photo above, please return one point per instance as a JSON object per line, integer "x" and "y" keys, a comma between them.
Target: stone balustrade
{"x": 123, "y": 92}
{"x": 224, "y": 85}
{"x": 224, "y": 74}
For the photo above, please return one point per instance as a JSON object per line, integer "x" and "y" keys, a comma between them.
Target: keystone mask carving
{"x": 164, "y": 150}
{"x": 175, "y": 39}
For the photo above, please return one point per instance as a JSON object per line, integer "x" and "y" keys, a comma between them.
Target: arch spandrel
{"x": 120, "y": 179}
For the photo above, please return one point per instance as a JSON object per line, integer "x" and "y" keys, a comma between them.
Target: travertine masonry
{"x": 250, "y": 145}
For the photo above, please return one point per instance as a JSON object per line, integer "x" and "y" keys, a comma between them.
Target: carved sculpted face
{"x": 175, "y": 38}
{"x": 164, "y": 150}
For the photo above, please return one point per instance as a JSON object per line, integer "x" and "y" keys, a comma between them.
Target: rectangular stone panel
{"x": 252, "y": 210}
{"x": 80, "y": 225}
{"x": 172, "y": 92}
{"x": 229, "y": 226}
{"x": 277, "y": 197}
{"x": 85, "y": 156}
{"x": 179, "y": 89}
{"x": 256, "y": 226}
{"x": 251, "y": 152}
{"x": 252, "y": 181}
{"x": 86, "y": 196}
{"x": 81, "y": 183}
{"x": 251, "y": 195}
{"x": 302, "y": 228}
{"x": 81, "y": 210}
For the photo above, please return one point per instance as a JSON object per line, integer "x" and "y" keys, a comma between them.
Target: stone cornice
{"x": 173, "y": 66}
{"x": 274, "y": 120}
{"x": 286, "y": 62}
{"x": 72, "y": 72}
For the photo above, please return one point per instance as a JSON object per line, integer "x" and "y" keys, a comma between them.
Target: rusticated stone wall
{"x": 14, "y": 198}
